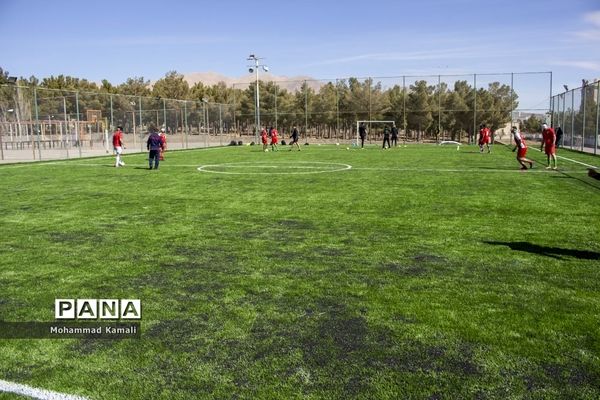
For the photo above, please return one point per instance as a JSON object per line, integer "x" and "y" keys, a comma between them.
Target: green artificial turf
{"x": 419, "y": 272}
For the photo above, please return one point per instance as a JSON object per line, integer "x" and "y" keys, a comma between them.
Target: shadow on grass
{"x": 564, "y": 174}
{"x": 553, "y": 252}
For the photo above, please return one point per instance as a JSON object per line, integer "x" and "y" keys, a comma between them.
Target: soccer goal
{"x": 379, "y": 126}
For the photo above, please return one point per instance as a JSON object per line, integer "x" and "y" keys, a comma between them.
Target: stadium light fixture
{"x": 254, "y": 69}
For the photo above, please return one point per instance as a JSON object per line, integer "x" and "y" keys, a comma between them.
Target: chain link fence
{"x": 577, "y": 113}
{"x": 38, "y": 123}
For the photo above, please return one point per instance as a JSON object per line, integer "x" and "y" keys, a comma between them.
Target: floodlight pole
{"x": 254, "y": 68}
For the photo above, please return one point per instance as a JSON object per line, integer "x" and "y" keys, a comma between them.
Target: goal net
{"x": 374, "y": 130}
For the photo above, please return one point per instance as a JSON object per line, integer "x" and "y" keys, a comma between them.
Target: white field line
{"x": 318, "y": 167}
{"x": 568, "y": 159}
{"x": 407, "y": 169}
{"x": 40, "y": 394}
{"x": 462, "y": 170}
{"x": 70, "y": 160}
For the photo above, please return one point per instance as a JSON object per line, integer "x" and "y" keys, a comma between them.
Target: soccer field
{"x": 332, "y": 273}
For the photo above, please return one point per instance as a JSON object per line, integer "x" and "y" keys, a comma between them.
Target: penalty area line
{"x": 40, "y": 394}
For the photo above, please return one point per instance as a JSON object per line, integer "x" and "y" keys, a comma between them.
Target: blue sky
{"x": 115, "y": 40}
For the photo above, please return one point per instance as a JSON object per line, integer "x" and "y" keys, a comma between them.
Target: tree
{"x": 419, "y": 107}
{"x": 172, "y": 86}
{"x": 136, "y": 86}
{"x": 396, "y": 98}
{"x": 531, "y": 124}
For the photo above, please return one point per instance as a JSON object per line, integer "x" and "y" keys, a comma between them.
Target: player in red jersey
{"x": 522, "y": 146}
{"x": 484, "y": 138}
{"x": 264, "y": 139}
{"x": 274, "y": 139}
{"x": 118, "y": 146}
{"x": 163, "y": 140}
{"x": 549, "y": 145}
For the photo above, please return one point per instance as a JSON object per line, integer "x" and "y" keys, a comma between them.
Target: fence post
{"x": 512, "y": 97}
{"x": 306, "y": 110}
{"x": 141, "y": 130}
{"x": 439, "y": 105}
{"x": 572, "y": 117}
{"x": 404, "y": 107}
{"x": 472, "y": 136}
{"x": 66, "y": 125}
{"x": 77, "y": 123}
{"x": 112, "y": 118}
{"x": 37, "y": 126}
{"x": 337, "y": 110}
{"x": 185, "y": 129}
{"x": 164, "y": 114}
{"x": 597, "y": 117}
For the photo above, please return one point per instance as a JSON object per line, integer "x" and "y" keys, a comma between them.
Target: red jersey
{"x": 274, "y": 136}
{"x": 163, "y": 140}
{"x": 117, "y": 139}
{"x": 520, "y": 142}
{"x": 484, "y": 135}
{"x": 263, "y": 136}
{"x": 549, "y": 137}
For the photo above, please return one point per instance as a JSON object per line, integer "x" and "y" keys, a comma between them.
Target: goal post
{"x": 370, "y": 122}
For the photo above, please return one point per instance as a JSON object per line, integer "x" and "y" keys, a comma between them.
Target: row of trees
{"x": 320, "y": 109}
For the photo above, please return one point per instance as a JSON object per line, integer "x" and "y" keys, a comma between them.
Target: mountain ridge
{"x": 289, "y": 83}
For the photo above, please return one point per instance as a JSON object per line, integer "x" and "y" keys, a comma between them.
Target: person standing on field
{"x": 163, "y": 139}
{"x": 294, "y": 138}
{"x": 559, "y": 135}
{"x": 522, "y": 146}
{"x": 386, "y": 137}
{"x": 154, "y": 144}
{"x": 549, "y": 145}
{"x": 394, "y": 135}
{"x": 484, "y": 138}
{"x": 362, "y": 132}
{"x": 264, "y": 139}
{"x": 274, "y": 139}
{"x": 118, "y": 146}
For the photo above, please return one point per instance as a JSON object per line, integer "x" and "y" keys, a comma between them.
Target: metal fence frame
{"x": 577, "y": 112}
{"x": 53, "y": 123}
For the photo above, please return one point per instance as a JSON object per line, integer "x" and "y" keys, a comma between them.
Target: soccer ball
{"x": 266, "y": 150}
{"x": 347, "y": 148}
{"x": 337, "y": 144}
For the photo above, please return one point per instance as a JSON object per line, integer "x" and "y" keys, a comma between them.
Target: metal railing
{"x": 38, "y": 123}
{"x": 577, "y": 113}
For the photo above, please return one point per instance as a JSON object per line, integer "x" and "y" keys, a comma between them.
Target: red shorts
{"x": 484, "y": 141}
{"x": 550, "y": 149}
{"x": 274, "y": 141}
{"x": 521, "y": 152}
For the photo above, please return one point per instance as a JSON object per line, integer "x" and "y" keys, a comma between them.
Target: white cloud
{"x": 593, "y": 18}
{"x": 593, "y": 33}
{"x": 405, "y": 56}
{"x": 589, "y": 65}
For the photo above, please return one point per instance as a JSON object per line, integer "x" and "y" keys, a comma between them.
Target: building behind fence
{"x": 37, "y": 123}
